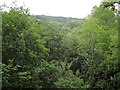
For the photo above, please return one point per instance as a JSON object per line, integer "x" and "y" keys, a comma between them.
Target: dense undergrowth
{"x": 77, "y": 54}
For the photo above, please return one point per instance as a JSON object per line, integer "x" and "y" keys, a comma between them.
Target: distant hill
{"x": 62, "y": 20}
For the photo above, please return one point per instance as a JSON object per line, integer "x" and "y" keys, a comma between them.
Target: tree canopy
{"x": 49, "y": 54}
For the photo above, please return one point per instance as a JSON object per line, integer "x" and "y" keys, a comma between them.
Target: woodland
{"x": 59, "y": 52}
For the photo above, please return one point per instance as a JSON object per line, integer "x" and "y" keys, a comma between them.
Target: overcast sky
{"x": 65, "y": 8}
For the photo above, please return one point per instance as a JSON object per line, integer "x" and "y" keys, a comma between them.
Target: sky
{"x": 65, "y": 8}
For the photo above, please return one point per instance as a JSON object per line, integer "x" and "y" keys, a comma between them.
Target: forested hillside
{"x": 56, "y": 19}
{"x": 50, "y": 54}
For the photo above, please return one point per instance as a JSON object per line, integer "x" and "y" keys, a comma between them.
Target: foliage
{"x": 60, "y": 54}
{"x": 11, "y": 73}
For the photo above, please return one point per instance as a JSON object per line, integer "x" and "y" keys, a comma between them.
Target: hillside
{"x": 62, "y": 20}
